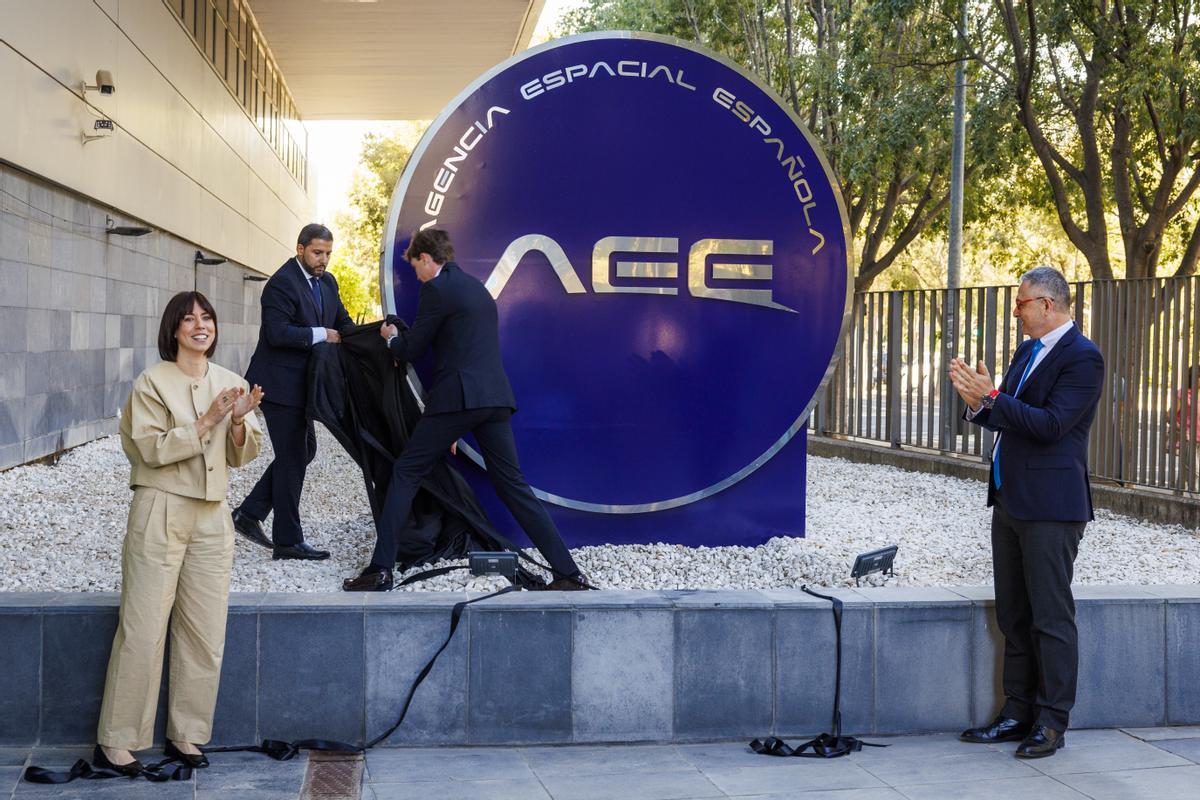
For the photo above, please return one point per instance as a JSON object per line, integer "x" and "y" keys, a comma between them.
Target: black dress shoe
{"x": 198, "y": 761}
{"x": 101, "y": 761}
{"x": 303, "y": 551}
{"x": 252, "y": 529}
{"x": 1041, "y": 742}
{"x": 1002, "y": 729}
{"x": 572, "y": 583}
{"x": 370, "y": 581}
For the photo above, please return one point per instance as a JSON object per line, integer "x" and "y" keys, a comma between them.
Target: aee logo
{"x": 659, "y": 273}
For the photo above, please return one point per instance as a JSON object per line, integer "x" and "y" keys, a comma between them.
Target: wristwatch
{"x": 989, "y": 399}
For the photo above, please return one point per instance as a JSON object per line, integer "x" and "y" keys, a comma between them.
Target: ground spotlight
{"x": 880, "y": 560}
{"x": 492, "y": 563}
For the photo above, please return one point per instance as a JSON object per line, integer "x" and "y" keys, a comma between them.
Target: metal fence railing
{"x": 891, "y": 384}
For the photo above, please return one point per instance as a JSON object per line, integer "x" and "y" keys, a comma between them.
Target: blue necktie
{"x": 1037, "y": 347}
{"x": 316, "y": 290}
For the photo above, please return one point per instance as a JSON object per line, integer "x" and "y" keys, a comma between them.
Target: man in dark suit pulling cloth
{"x": 469, "y": 393}
{"x": 301, "y": 308}
{"x": 1041, "y": 501}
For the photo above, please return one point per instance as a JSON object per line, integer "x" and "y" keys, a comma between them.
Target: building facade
{"x": 196, "y": 139}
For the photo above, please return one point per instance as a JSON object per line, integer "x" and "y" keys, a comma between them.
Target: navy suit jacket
{"x": 289, "y": 313}
{"x": 456, "y": 316}
{"x": 1043, "y": 449}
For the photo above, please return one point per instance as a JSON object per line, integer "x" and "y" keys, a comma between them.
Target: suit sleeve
{"x": 278, "y": 313}
{"x": 341, "y": 320}
{"x": 1075, "y": 392}
{"x": 411, "y": 344}
{"x": 158, "y": 443}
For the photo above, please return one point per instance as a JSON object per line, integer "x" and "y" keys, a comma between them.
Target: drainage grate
{"x": 333, "y": 776}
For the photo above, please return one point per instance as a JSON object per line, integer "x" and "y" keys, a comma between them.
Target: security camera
{"x": 104, "y": 83}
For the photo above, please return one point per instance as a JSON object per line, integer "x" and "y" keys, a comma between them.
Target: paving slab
{"x": 832, "y": 794}
{"x": 905, "y": 748}
{"x": 810, "y": 775}
{"x": 553, "y": 762}
{"x": 729, "y": 755}
{"x": 1089, "y": 737}
{"x": 1043, "y": 788}
{"x": 8, "y": 780}
{"x": 112, "y": 789}
{"x": 633, "y": 786}
{"x": 446, "y": 764}
{"x": 1106, "y": 757}
{"x": 1167, "y": 783}
{"x": 981, "y": 765}
{"x": 504, "y": 789}
{"x": 1187, "y": 748}
{"x": 247, "y": 794}
{"x": 1167, "y": 732}
{"x": 242, "y": 779}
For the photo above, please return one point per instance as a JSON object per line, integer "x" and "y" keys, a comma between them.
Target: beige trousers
{"x": 174, "y": 566}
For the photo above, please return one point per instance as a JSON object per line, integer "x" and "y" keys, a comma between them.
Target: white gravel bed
{"x": 61, "y": 528}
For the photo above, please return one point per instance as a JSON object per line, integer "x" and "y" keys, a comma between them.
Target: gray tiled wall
{"x": 606, "y": 666}
{"x": 79, "y": 314}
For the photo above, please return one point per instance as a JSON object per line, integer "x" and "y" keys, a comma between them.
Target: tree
{"x": 872, "y": 81}
{"x": 361, "y": 227}
{"x": 1106, "y": 92}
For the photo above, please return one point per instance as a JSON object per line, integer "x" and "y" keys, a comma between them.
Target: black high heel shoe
{"x": 194, "y": 761}
{"x": 100, "y": 761}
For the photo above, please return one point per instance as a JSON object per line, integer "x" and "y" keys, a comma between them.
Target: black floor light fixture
{"x": 880, "y": 560}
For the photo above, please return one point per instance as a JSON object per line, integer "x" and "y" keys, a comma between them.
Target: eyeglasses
{"x": 1020, "y": 303}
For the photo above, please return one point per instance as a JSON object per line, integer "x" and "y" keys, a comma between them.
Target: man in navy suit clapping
{"x": 1041, "y": 501}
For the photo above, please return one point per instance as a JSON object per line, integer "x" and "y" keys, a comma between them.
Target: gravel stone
{"x": 61, "y": 528}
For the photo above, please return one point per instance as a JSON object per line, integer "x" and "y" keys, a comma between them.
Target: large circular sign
{"x": 668, "y": 251}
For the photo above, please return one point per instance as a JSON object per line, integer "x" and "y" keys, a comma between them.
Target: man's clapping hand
{"x": 971, "y": 384}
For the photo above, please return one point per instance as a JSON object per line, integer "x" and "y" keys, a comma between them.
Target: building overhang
{"x": 389, "y": 59}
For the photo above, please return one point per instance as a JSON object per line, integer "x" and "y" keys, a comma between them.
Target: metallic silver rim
{"x": 387, "y": 300}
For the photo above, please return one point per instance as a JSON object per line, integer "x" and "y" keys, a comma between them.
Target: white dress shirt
{"x": 1048, "y": 341}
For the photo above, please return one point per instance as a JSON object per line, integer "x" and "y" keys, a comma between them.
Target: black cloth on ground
{"x": 363, "y": 397}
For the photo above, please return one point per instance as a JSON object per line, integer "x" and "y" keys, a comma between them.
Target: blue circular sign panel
{"x": 668, "y": 251}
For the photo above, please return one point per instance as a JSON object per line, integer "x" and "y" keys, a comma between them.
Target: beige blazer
{"x": 158, "y": 432}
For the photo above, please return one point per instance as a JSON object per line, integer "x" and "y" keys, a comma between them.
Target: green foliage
{"x": 1107, "y": 95}
{"x": 873, "y": 81}
{"x": 357, "y": 253}
{"x": 1113, "y": 91}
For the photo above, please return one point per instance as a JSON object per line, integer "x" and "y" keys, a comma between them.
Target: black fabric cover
{"x": 364, "y": 399}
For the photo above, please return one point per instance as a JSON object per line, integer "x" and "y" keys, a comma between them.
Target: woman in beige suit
{"x": 185, "y": 423}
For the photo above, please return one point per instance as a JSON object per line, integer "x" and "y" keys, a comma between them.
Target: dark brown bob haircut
{"x": 433, "y": 241}
{"x": 177, "y": 308}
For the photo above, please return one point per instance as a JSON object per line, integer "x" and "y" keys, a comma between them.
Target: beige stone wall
{"x": 184, "y": 157}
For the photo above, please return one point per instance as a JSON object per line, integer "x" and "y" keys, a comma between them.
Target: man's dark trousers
{"x": 294, "y": 440}
{"x": 1033, "y": 563}
{"x": 431, "y": 440}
